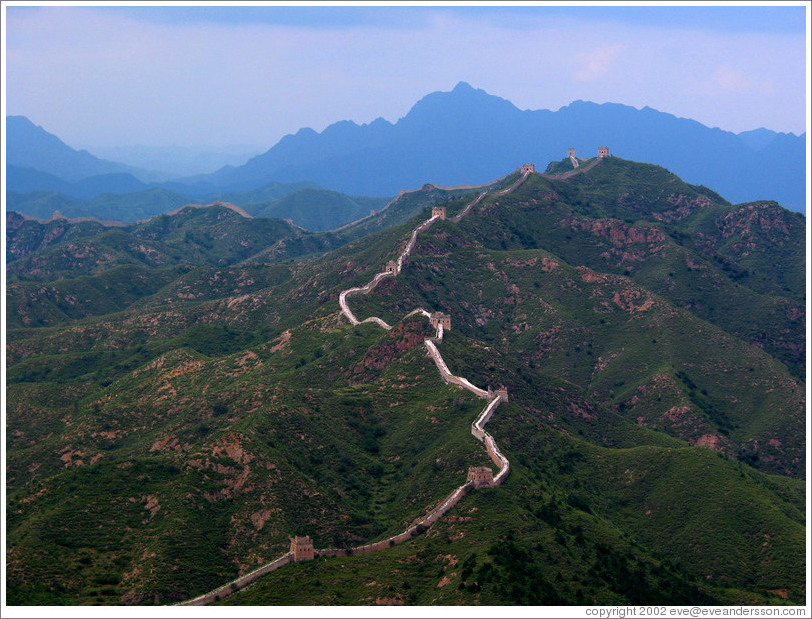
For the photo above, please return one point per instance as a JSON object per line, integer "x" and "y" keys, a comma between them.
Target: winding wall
{"x": 579, "y": 170}
{"x": 477, "y": 427}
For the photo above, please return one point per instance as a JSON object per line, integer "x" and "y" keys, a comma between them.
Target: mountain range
{"x": 465, "y": 136}
{"x": 186, "y": 394}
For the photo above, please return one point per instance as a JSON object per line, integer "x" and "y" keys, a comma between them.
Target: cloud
{"x": 726, "y": 80}
{"x": 596, "y": 64}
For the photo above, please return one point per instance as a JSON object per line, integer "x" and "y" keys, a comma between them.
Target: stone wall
{"x": 470, "y": 205}
{"x": 416, "y": 529}
{"x": 239, "y": 583}
{"x": 302, "y": 548}
{"x": 448, "y": 376}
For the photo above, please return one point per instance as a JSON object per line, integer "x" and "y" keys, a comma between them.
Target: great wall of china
{"x": 302, "y": 548}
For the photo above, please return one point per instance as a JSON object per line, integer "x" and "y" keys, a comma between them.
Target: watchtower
{"x": 528, "y": 168}
{"x": 571, "y": 153}
{"x": 392, "y": 267}
{"x": 482, "y": 476}
{"x": 302, "y": 548}
{"x": 603, "y": 151}
{"x": 499, "y": 392}
{"x": 438, "y": 318}
{"x": 438, "y": 211}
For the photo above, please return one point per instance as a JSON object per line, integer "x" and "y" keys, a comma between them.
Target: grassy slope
{"x": 205, "y": 431}
{"x": 207, "y": 422}
{"x": 578, "y": 523}
{"x": 669, "y": 238}
{"x": 659, "y": 365}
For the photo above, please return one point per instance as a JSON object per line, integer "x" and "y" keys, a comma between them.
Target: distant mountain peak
{"x": 461, "y": 103}
{"x": 465, "y": 87}
{"x": 21, "y": 120}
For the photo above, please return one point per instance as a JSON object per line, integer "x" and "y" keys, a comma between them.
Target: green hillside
{"x": 265, "y": 193}
{"x": 183, "y": 397}
{"x": 407, "y": 205}
{"x": 317, "y": 209}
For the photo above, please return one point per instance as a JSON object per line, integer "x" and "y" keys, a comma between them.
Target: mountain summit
{"x": 462, "y": 105}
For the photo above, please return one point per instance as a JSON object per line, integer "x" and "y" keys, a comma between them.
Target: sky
{"x": 231, "y": 77}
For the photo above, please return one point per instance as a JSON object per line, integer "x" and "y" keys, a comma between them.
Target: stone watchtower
{"x": 571, "y": 153}
{"x": 482, "y": 476}
{"x": 494, "y": 393}
{"x": 438, "y": 318}
{"x": 603, "y": 151}
{"x": 392, "y": 267}
{"x": 302, "y": 548}
{"x": 438, "y": 211}
{"x": 528, "y": 168}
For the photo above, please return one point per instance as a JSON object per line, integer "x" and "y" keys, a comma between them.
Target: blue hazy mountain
{"x": 30, "y": 146}
{"x": 469, "y": 136}
{"x": 24, "y": 180}
{"x": 177, "y": 161}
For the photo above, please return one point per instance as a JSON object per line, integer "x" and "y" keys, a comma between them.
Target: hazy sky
{"x": 154, "y": 75}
